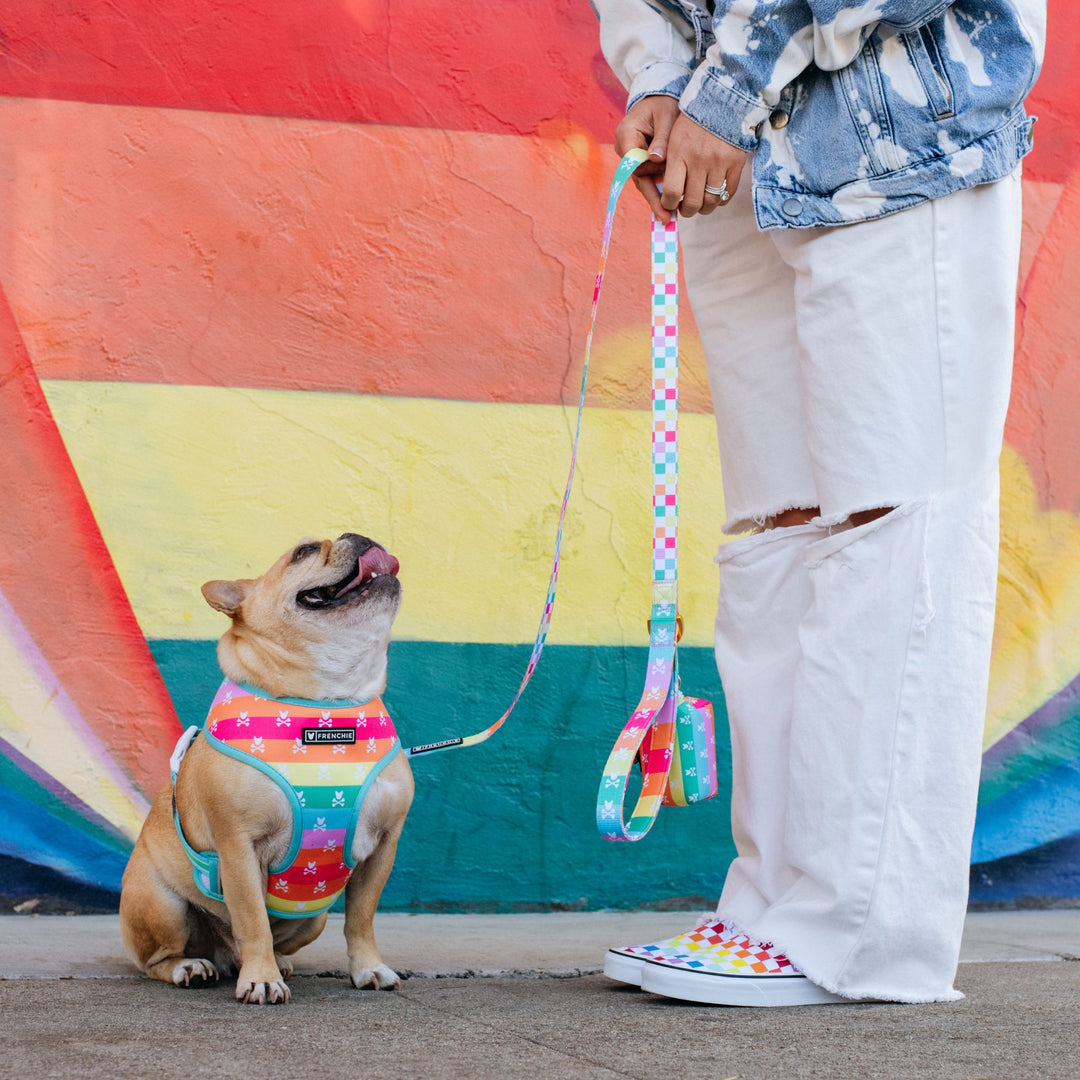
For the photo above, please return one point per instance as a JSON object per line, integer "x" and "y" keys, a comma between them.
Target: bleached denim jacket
{"x": 853, "y": 108}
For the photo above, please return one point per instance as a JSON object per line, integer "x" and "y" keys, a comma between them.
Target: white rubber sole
{"x": 762, "y": 990}
{"x": 623, "y": 968}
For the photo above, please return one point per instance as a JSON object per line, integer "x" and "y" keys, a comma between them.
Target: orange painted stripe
{"x": 245, "y": 251}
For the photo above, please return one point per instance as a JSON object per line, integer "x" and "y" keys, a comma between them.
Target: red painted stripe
{"x": 58, "y": 575}
{"x": 502, "y": 66}
{"x": 1056, "y": 99}
{"x": 1046, "y": 394}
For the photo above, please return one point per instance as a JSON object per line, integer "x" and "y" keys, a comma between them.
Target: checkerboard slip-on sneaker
{"x": 727, "y": 968}
{"x": 626, "y": 963}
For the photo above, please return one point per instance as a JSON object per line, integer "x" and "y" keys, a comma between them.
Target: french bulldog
{"x": 210, "y": 889}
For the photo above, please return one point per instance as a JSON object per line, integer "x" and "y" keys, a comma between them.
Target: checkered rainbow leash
{"x": 671, "y": 734}
{"x": 664, "y": 723}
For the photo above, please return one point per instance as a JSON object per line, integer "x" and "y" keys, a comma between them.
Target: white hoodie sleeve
{"x": 650, "y": 49}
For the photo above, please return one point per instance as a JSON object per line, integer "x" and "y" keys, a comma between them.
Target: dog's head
{"x": 316, "y": 624}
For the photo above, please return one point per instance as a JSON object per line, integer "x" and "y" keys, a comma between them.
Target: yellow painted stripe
{"x": 194, "y": 483}
{"x": 33, "y": 720}
{"x": 191, "y": 483}
{"x": 1037, "y": 636}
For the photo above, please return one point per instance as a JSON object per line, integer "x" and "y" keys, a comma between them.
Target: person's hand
{"x": 647, "y": 125}
{"x": 682, "y": 154}
{"x": 696, "y": 157}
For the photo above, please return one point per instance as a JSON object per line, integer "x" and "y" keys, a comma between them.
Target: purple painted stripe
{"x": 53, "y": 786}
{"x": 1051, "y": 713}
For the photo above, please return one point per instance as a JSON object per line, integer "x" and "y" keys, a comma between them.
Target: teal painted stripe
{"x": 509, "y": 824}
{"x": 1035, "y": 751}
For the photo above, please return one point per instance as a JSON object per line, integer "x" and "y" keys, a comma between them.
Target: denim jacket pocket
{"x": 925, "y": 55}
{"x": 861, "y": 88}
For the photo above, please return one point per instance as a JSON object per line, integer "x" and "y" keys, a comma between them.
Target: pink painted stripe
{"x": 35, "y": 660}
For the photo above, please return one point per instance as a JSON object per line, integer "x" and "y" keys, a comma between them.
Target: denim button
{"x": 779, "y": 118}
{"x": 792, "y": 207}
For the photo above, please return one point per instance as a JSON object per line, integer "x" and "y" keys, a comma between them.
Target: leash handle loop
{"x": 650, "y": 731}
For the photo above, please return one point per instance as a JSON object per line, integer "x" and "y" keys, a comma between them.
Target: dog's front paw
{"x": 379, "y": 977}
{"x": 260, "y": 983}
{"x": 194, "y": 973}
{"x": 273, "y": 992}
{"x": 285, "y": 965}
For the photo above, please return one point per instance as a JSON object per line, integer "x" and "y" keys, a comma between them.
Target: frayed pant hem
{"x": 865, "y": 997}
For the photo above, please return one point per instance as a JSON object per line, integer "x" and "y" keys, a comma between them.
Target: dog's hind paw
{"x": 285, "y": 966}
{"x": 194, "y": 973}
{"x": 379, "y": 977}
{"x": 262, "y": 993}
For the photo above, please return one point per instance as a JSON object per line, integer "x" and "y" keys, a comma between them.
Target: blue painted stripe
{"x": 34, "y": 835}
{"x": 1044, "y": 809}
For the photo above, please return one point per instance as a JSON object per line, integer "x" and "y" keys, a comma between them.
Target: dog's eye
{"x": 304, "y": 550}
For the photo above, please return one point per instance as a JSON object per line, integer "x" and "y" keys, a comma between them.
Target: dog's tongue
{"x": 377, "y": 560}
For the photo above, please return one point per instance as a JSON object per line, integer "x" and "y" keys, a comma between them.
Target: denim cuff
{"x": 723, "y": 110}
{"x": 665, "y": 77}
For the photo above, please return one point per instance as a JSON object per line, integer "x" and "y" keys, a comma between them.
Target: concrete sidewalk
{"x": 430, "y": 946}
{"x": 511, "y": 996}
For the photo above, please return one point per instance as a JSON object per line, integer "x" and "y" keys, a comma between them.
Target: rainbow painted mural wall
{"x": 275, "y": 270}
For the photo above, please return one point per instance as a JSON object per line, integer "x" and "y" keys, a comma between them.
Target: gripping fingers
{"x": 651, "y": 194}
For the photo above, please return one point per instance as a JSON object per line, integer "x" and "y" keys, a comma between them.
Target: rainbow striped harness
{"x": 324, "y": 756}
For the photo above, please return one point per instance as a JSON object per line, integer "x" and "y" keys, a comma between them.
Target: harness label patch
{"x": 329, "y": 735}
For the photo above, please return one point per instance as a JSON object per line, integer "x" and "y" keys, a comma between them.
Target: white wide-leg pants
{"x": 858, "y": 368}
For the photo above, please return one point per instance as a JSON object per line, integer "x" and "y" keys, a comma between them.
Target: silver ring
{"x": 725, "y": 196}
{"x": 720, "y": 192}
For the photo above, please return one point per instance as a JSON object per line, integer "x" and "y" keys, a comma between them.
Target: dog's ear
{"x": 227, "y": 596}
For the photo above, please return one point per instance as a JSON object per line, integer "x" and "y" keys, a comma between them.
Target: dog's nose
{"x": 360, "y": 543}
